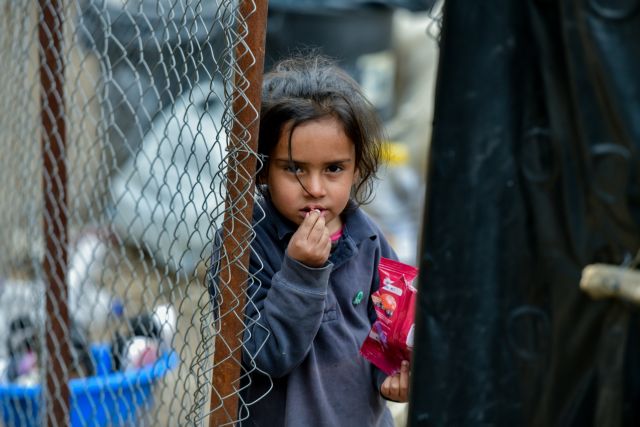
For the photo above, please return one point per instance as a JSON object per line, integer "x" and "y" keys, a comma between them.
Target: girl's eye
{"x": 334, "y": 168}
{"x": 293, "y": 169}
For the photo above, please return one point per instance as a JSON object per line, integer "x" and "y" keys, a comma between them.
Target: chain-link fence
{"x": 127, "y": 131}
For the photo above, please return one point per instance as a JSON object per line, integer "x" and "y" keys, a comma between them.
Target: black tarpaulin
{"x": 534, "y": 174}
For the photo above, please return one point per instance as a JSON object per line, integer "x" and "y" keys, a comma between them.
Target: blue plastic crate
{"x": 107, "y": 399}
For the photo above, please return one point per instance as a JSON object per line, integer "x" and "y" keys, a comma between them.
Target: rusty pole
{"x": 56, "y": 389}
{"x": 239, "y": 209}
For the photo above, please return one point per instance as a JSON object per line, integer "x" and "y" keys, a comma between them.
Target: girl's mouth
{"x": 306, "y": 210}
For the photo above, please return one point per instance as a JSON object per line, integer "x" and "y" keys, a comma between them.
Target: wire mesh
{"x": 153, "y": 110}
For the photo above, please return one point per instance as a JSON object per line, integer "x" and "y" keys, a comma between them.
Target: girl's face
{"x": 324, "y": 162}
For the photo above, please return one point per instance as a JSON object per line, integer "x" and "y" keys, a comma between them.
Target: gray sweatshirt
{"x": 305, "y": 327}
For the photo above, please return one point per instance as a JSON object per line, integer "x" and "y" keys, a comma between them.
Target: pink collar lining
{"x": 336, "y": 236}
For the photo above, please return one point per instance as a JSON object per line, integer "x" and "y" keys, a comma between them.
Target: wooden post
{"x": 57, "y": 352}
{"x": 238, "y": 210}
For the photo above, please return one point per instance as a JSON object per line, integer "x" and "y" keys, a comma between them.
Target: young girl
{"x": 315, "y": 256}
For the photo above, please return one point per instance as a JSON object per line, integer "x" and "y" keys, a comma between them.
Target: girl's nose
{"x": 315, "y": 186}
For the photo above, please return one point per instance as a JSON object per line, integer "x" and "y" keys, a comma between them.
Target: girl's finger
{"x": 307, "y": 224}
{"x": 404, "y": 380}
{"x": 318, "y": 228}
{"x": 404, "y": 375}
{"x": 395, "y": 386}
{"x": 384, "y": 388}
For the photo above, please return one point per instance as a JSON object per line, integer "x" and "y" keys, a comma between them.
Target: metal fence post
{"x": 243, "y": 143}
{"x": 56, "y": 389}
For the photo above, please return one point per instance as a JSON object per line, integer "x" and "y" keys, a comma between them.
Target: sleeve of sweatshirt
{"x": 283, "y": 314}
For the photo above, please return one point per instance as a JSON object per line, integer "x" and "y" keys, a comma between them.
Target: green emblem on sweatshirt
{"x": 358, "y": 298}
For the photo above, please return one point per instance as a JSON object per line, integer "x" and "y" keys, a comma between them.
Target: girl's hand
{"x": 396, "y": 387}
{"x": 311, "y": 243}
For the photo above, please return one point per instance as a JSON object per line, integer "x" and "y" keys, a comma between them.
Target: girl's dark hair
{"x": 312, "y": 87}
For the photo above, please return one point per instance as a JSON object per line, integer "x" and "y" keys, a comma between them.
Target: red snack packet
{"x": 390, "y": 340}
